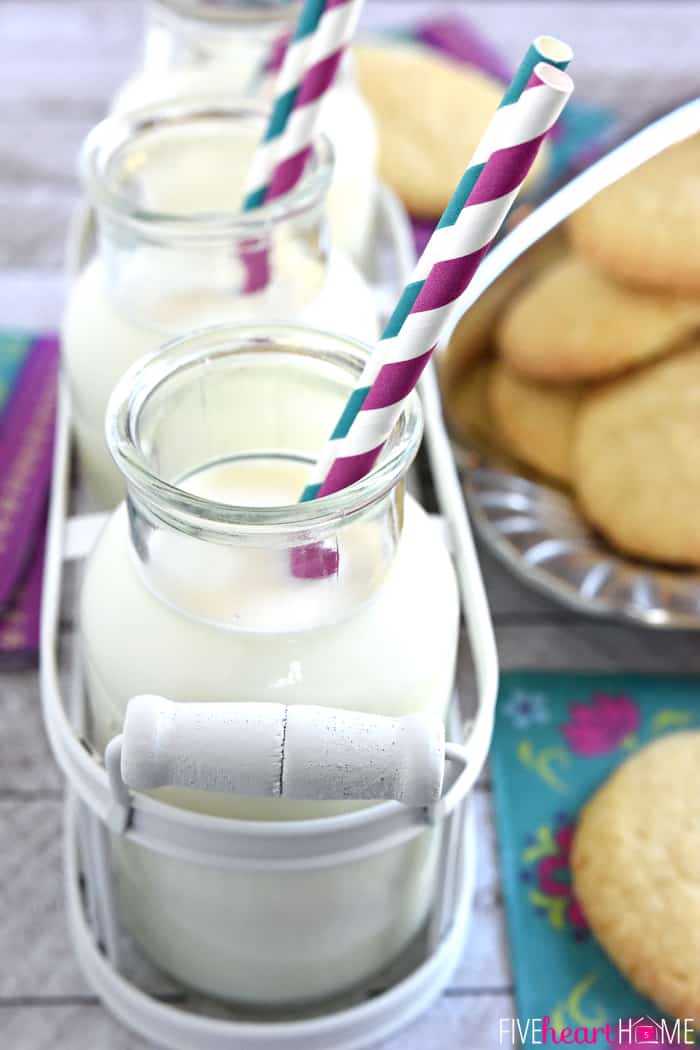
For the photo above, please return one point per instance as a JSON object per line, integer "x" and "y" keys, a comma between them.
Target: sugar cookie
{"x": 572, "y": 323}
{"x": 467, "y": 403}
{"x": 645, "y": 228}
{"x": 636, "y": 460}
{"x": 536, "y": 420}
{"x": 636, "y": 871}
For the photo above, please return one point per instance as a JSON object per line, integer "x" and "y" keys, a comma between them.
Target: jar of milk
{"x": 202, "y": 47}
{"x": 188, "y": 594}
{"x": 175, "y": 251}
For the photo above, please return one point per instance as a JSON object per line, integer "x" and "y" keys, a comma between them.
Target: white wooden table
{"x": 60, "y": 60}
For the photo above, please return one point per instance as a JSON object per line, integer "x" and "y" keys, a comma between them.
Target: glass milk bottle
{"x": 191, "y": 578}
{"x": 204, "y": 47}
{"x": 175, "y": 253}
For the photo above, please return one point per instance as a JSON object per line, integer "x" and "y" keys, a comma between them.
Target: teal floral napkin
{"x": 557, "y": 738}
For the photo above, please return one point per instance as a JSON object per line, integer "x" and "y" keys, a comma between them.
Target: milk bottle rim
{"x": 110, "y": 146}
{"x": 187, "y": 359}
{"x": 229, "y": 12}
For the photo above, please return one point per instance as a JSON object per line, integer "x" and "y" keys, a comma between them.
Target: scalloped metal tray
{"x": 535, "y": 528}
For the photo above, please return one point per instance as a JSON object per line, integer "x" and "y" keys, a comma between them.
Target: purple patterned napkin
{"x": 28, "y": 375}
{"x": 457, "y": 38}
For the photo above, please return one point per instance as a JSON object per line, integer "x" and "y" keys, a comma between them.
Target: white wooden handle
{"x": 275, "y": 751}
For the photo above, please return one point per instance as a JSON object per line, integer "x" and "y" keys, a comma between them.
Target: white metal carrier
{"x": 99, "y": 806}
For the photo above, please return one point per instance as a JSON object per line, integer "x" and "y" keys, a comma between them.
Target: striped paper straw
{"x": 499, "y": 131}
{"x": 291, "y": 71}
{"x": 443, "y": 272}
{"x": 289, "y": 77}
{"x": 310, "y": 64}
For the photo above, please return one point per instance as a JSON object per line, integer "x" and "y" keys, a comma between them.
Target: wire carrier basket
{"x": 99, "y": 807}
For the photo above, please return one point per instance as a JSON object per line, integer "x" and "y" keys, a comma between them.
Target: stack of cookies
{"x": 583, "y": 363}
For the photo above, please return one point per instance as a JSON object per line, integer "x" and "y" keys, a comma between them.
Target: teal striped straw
{"x": 543, "y": 49}
{"x": 292, "y": 70}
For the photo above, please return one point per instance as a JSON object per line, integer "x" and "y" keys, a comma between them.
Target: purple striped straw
{"x": 311, "y": 63}
{"x": 448, "y": 265}
{"x": 309, "y": 68}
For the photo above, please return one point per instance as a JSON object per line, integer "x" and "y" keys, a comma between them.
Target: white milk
{"x": 187, "y": 58}
{"x": 256, "y": 937}
{"x": 214, "y": 614}
{"x": 161, "y": 279}
{"x": 286, "y": 666}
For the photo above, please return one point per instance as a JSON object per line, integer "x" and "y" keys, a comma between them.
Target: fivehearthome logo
{"x": 621, "y": 1035}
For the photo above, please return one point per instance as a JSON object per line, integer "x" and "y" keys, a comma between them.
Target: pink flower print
{"x": 549, "y": 879}
{"x": 601, "y": 726}
{"x": 554, "y": 879}
{"x": 575, "y": 915}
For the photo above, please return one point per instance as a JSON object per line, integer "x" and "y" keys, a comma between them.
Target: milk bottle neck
{"x": 244, "y": 38}
{"x": 167, "y": 182}
{"x": 215, "y": 435}
{"x": 245, "y": 34}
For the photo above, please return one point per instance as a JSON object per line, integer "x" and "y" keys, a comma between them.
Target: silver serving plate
{"x": 535, "y": 528}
